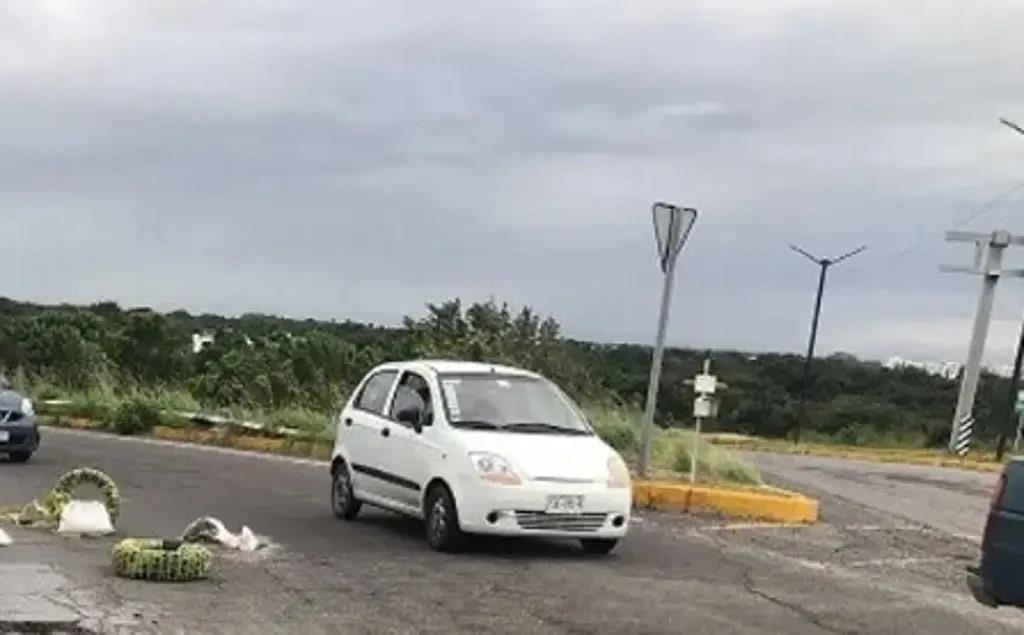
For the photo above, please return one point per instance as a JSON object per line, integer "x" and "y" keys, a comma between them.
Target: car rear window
{"x": 1013, "y": 497}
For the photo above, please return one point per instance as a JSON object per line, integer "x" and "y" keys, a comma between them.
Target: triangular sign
{"x": 671, "y": 228}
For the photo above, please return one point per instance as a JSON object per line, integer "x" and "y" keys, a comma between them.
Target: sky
{"x": 359, "y": 159}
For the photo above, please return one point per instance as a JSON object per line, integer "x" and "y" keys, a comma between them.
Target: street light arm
{"x": 1010, "y": 124}
{"x": 850, "y": 254}
{"x": 804, "y": 254}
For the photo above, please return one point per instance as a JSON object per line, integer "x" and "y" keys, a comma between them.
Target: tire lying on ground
{"x": 161, "y": 560}
{"x": 70, "y": 481}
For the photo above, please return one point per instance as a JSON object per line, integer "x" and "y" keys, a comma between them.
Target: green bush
{"x": 615, "y": 425}
{"x": 135, "y": 417}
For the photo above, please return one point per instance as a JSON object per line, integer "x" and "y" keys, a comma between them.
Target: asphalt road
{"x": 952, "y": 500}
{"x": 862, "y": 571}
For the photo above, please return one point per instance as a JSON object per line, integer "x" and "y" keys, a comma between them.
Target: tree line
{"x": 265, "y": 362}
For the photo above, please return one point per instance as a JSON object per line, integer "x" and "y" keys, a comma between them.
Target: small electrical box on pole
{"x": 705, "y": 406}
{"x": 988, "y": 263}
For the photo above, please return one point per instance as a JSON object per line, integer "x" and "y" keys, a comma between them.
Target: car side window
{"x": 375, "y": 392}
{"x": 413, "y": 392}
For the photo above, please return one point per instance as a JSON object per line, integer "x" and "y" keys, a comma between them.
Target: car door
{"x": 409, "y": 452}
{"x": 365, "y": 423}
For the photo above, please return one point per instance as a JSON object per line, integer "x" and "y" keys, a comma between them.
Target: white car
{"x": 477, "y": 448}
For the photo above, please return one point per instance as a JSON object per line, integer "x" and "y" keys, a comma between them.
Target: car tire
{"x": 441, "y": 520}
{"x": 599, "y": 546}
{"x": 19, "y": 457}
{"x": 344, "y": 503}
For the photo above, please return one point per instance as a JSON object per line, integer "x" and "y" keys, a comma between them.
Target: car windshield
{"x": 523, "y": 404}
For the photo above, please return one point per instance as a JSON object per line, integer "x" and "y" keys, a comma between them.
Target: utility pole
{"x": 671, "y": 228}
{"x": 1013, "y": 396}
{"x": 988, "y": 263}
{"x": 824, "y": 263}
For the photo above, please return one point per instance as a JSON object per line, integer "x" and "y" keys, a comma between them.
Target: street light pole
{"x": 824, "y": 263}
{"x": 671, "y": 228}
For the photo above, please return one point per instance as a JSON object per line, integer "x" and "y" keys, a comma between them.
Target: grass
{"x": 618, "y": 424}
{"x": 672, "y": 449}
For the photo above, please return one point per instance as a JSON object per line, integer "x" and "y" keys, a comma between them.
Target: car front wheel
{"x": 343, "y": 501}
{"x": 442, "y": 520}
{"x": 598, "y": 546}
{"x": 19, "y": 457}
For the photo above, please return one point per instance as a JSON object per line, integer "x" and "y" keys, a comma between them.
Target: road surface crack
{"x": 750, "y": 587}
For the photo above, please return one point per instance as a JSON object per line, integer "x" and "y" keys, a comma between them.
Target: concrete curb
{"x": 910, "y": 457}
{"x": 770, "y": 505}
{"x": 766, "y": 504}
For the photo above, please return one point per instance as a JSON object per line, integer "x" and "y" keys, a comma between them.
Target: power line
{"x": 974, "y": 215}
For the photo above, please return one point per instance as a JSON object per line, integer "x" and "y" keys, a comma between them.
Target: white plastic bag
{"x": 5, "y": 540}
{"x": 210, "y": 529}
{"x": 247, "y": 541}
{"x": 88, "y": 518}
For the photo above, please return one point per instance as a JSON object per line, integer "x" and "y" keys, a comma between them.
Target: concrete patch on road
{"x": 25, "y": 601}
{"x": 770, "y": 505}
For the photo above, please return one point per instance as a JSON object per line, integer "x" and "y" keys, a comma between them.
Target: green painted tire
{"x": 161, "y": 560}
{"x": 67, "y": 484}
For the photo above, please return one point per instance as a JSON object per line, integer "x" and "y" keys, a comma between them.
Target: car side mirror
{"x": 411, "y": 416}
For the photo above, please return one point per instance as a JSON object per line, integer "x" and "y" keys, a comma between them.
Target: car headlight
{"x": 493, "y": 468}
{"x": 26, "y": 408}
{"x": 618, "y": 473}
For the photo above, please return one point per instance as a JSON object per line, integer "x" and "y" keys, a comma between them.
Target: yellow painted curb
{"x": 774, "y": 505}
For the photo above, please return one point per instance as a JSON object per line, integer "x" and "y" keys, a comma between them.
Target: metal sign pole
{"x": 705, "y": 406}
{"x": 655, "y": 378}
{"x": 671, "y": 228}
{"x": 696, "y": 449}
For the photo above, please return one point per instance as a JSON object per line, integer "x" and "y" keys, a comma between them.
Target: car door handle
{"x": 386, "y": 432}
{"x": 348, "y": 421}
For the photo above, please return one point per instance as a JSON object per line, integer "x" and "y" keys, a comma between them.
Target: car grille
{"x": 10, "y": 416}
{"x": 560, "y": 522}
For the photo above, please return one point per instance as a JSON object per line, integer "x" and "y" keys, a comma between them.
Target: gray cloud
{"x": 359, "y": 159}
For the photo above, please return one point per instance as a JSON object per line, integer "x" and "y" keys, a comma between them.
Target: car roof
{"x": 455, "y": 367}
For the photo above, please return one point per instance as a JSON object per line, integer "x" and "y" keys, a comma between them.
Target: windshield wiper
{"x": 475, "y": 424}
{"x": 545, "y": 427}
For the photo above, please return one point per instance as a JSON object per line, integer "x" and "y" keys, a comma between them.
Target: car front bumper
{"x": 519, "y": 510}
{"x": 21, "y": 438}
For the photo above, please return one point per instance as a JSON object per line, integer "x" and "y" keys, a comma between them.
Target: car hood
{"x": 10, "y": 400}
{"x": 545, "y": 456}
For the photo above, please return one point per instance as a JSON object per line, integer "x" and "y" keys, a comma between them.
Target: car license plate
{"x": 563, "y": 504}
{"x": 5, "y": 436}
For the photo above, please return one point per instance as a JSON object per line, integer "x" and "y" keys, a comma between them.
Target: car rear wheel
{"x": 343, "y": 501}
{"x": 19, "y": 457}
{"x": 442, "y": 520}
{"x": 599, "y": 546}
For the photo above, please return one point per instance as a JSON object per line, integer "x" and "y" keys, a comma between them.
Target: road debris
{"x": 48, "y": 511}
{"x": 161, "y": 560}
{"x": 85, "y": 518}
{"x": 210, "y": 529}
{"x": 5, "y": 540}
